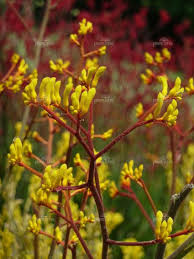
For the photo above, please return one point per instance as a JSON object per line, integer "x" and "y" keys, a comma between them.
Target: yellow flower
{"x": 102, "y": 50}
{"x": 15, "y": 58}
{"x": 33, "y": 75}
{"x": 166, "y": 53}
{"x": 190, "y": 87}
{"x": 139, "y": 110}
{"x": 29, "y": 94}
{"x": 67, "y": 91}
{"x": 113, "y": 191}
{"x": 27, "y": 148}
{"x": 41, "y": 196}
{"x": 58, "y": 234}
{"x": 149, "y": 58}
{"x": 15, "y": 154}
{"x": 129, "y": 172}
{"x": 60, "y": 65}
{"x": 77, "y": 160}
{"x": 158, "y": 58}
{"x": 177, "y": 91}
{"x": 91, "y": 77}
{"x": 53, "y": 178}
{"x": 34, "y": 225}
{"x": 170, "y": 116}
{"x": 22, "y": 67}
{"x": 91, "y": 62}
{"x": 85, "y": 27}
{"x": 163, "y": 228}
{"x": 190, "y": 220}
{"x": 49, "y": 91}
{"x": 107, "y": 134}
{"x": 81, "y": 104}
{"x": 85, "y": 219}
{"x": 74, "y": 38}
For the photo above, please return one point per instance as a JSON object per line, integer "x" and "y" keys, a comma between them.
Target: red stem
{"x": 119, "y": 137}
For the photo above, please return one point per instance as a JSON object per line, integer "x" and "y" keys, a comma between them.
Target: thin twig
{"x": 33, "y": 171}
{"x": 139, "y": 204}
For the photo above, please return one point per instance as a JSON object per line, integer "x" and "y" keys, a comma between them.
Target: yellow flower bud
{"x": 177, "y": 91}
{"x": 58, "y": 234}
{"x": 29, "y": 94}
{"x": 166, "y": 53}
{"x": 98, "y": 74}
{"x": 158, "y": 58}
{"x": 91, "y": 62}
{"x": 113, "y": 191}
{"x": 163, "y": 228}
{"x": 86, "y": 100}
{"x": 190, "y": 87}
{"x": 43, "y": 84}
{"x": 27, "y": 148}
{"x": 59, "y": 66}
{"x": 170, "y": 116}
{"x": 102, "y": 50}
{"x": 67, "y": 91}
{"x": 77, "y": 159}
{"x": 74, "y": 38}
{"x": 85, "y": 27}
{"x": 160, "y": 101}
{"x": 107, "y": 134}
{"x": 139, "y": 110}
{"x": 149, "y": 58}
{"x": 15, "y": 154}
{"x": 34, "y": 225}
{"x": 22, "y": 67}
{"x": 15, "y": 58}
{"x": 90, "y": 74}
{"x": 163, "y": 80}
{"x": 144, "y": 78}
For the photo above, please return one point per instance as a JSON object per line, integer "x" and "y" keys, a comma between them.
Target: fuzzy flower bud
{"x": 34, "y": 225}
{"x": 29, "y": 94}
{"x": 15, "y": 154}
{"x": 85, "y": 27}
{"x": 163, "y": 228}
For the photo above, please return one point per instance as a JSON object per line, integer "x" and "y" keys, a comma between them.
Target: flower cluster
{"x": 60, "y": 65}
{"x": 53, "y": 178}
{"x": 86, "y": 27}
{"x": 170, "y": 116}
{"x": 91, "y": 77}
{"x": 163, "y": 228}
{"x": 16, "y": 151}
{"x": 34, "y": 225}
{"x": 84, "y": 219}
{"x": 128, "y": 171}
{"x": 49, "y": 94}
{"x": 159, "y": 58}
{"x": 16, "y": 75}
